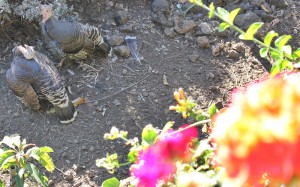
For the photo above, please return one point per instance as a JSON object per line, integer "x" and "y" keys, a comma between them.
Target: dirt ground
{"x": 130, "y": 95}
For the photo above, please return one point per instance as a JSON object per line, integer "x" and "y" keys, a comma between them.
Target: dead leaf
{"x": 265, "y": 8}
{"x": 165, "y": 80}
{"x": 79, "y": 101}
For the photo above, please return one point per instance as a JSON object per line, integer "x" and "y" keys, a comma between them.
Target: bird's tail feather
{"x": 66, "y": 114}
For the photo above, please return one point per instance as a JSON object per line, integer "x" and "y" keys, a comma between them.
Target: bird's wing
{"x": 92, "y": 33}
{"x": 23, "y": 91}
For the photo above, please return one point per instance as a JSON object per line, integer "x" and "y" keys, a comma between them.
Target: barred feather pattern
{"x": 49, "y": 82}
{"x": 93, "y": 34}
{"x": 70, "y": 39}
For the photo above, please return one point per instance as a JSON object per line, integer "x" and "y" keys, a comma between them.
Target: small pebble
{"x": 203, "y": 42}
{"x": 116, "y": 102}
{"x": 126, "y": 28}
{"x": 206, "y": 28}
{"x": 145, "y": 94}
{"x": 68, "y": 175}
{"x": 99, "y": 108}
{"x": 124, "y": 71}
{"x": 193, "y": 57}
{"x": 84, "y": 148}
{"x": 233, "y": 54}
{"x": 122, "y": 50}
{"x": 92, "y": 148}
{"x": 170, "y": 32}
{"x": 216, "y": 49}
{"x": 64, "y": 155}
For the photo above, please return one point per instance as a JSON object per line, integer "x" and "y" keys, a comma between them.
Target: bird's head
{"x": 27, "y": 51}
{"x": 46, "y": 11}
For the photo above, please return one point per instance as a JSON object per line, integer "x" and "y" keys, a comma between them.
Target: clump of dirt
{"x": 186, "y": 51}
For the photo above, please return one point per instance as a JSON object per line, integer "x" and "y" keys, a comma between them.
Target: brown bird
{"x": 70, "y": 39}
{"x": 33, "y": 77}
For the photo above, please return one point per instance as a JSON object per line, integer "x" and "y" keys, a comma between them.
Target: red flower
{"x": 259, "y": 133}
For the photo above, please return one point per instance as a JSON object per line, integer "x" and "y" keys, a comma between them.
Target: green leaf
{"x": 46, "y": 149}
{"x": 42, "y": 157}
{"x": 12, "y": 141}
{"x": 37, "y": 175}
{"x": 296, "y": 54}
{"x": 149, "y": 135}
{"x": 22, "y": 162}
{"x": 1, "y": 183}
{"x": 274, "y": 70}
{"x": 282, "y": 40}
{"x": 263, "y": 52}
{"x": 232, "y": 15}
{"x": 167, "y": 127}
{"x": 223, "y": 13}
{"x": 19, "y": 178}
{"x": 197, "y": 2}
{"x": 275, "y": 55}
{"x": 212, "y": 110}
{"x": 112, "y": 182}
{"x": 5, "y": 157}
{"x": 212, "y": 10}
{"x": 132, "y": 155}
{"x": 251, "y": 31}
{"x": 287, "y": 50}
{"x": 223, "y": 26}
{"x": 280, "y": 65}
{"x": 269, "y": 37}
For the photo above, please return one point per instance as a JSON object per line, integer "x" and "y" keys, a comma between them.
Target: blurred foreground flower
{"x": 259, "y": 133}
{"x": 158, "y": 163}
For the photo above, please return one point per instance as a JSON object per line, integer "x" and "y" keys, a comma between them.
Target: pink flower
{"x": 158, "y": 162}
{"x": 176, "y": 145}
{"x": 151, "y": 168}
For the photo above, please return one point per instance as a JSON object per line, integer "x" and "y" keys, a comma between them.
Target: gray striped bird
{"x": 70, "y": 39}
{"x": 33, "y": 77}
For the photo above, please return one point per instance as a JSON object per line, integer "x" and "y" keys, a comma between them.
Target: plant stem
{"x": 240, "y": 30}
{"x": 190, "y": 126}
{"x": 125, "y": 139}
{"x": 125, "y": 164}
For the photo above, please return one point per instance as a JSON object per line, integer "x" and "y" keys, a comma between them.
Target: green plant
{"x": 281, "y": 55}
{"x": 179, "y": 153}
{"x": 16, "y": 156}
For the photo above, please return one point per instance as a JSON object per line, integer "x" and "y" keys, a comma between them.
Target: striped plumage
{"x": 33, "y": 77}
{"x": 69, "y": 38}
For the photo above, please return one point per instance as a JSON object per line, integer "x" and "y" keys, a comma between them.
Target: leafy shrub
{"x": 166, "y": 157}
{"x": 16, "y": 156}
{"x": 280, "y": 53}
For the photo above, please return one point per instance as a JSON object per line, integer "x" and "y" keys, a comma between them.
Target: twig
{"x": 79, "y": 155}
{"x": 120, "y": 90}
{"x": 59, "y": 170}
{"x": 128, "y": 68}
